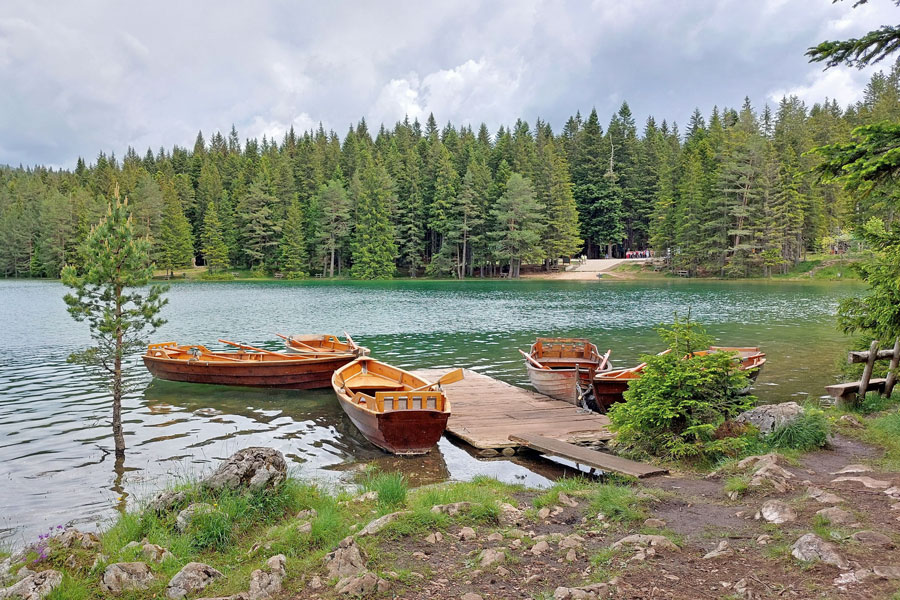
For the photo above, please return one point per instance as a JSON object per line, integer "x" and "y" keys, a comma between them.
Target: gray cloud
{"x": 76, "y": 78}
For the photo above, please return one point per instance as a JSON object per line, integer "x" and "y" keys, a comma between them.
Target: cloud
{"x": 78, "y": 78}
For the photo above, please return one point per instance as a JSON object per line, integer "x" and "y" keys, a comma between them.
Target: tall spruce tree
{"x": 373, "y": 246}
{"x": 517, "y": 213}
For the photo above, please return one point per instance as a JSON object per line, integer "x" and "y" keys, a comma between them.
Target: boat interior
{"x": 199, "y": 352}
{"x": 318, "y": 343}
{"x": 565, "y": 353}
{"x": 383, "y": 388}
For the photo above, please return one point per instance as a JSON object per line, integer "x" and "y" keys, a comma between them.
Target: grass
{"x": 618, "y": 503}
{"x": 566, "y": 485}
{"x": 390, "y": 487}
{"x": 737, "y": 485}
{"x": 809, "y": 432}
{"x": 884, "y": 431}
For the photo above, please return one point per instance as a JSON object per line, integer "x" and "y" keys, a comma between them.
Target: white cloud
{"x": 844, "y": 85}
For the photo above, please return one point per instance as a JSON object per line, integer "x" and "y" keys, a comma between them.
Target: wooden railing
{"x": 846, "y": 392}
{"x": 390, "y": 401}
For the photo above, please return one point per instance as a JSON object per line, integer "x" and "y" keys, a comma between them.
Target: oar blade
{"x": 451, "y": 377}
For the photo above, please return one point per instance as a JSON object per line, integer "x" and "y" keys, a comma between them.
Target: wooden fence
{"x": 847, "y": 392}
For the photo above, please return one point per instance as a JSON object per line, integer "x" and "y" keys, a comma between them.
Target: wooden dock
{"x": 586, "y": 456}
{"x": 486, "y": 411}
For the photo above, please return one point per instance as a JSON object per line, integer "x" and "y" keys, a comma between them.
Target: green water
{"x": 54, "y": 434}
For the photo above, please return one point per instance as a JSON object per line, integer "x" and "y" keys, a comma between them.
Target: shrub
{"x": 808, "y": 432}
{"x": 390, "y": 487}
{"x": 675, "y": 407}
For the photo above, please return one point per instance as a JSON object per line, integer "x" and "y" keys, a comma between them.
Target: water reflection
{"x": 56, "y": 457}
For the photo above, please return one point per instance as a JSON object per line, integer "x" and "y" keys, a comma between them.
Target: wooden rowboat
{"x": 608, "y": 388}
{"x": 553, "y": 365}
{"x": 322, "y": 344}
{"x": 255, "y": 368}
{"x": 394, "y": 409}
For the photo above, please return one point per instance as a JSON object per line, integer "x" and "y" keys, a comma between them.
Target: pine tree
{"x": 215, "y": 252}
{"x": 174, "y": 247}
{"x": 560, "y": 215}
{"x": 107, "y": 295}
{"x": 518, "y": 217}
{"x": 293, "y": 243}
{"x": 374, "y": 250}
{"x": 334, "y": 208}
{"x": 260, "y": 231}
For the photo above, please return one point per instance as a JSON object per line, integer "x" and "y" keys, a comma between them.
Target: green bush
{"x": 808, "y": 432}
{"x": 219, "y": 276}
{"x": 390, "y": 487}
{"x": 675, "y": 407}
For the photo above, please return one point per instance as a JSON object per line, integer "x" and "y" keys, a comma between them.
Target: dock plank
{"x": 486, "y": 411}
{"x": 587, "y": 456}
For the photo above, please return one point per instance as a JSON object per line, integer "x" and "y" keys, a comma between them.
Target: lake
{"x": 56, "y": 461}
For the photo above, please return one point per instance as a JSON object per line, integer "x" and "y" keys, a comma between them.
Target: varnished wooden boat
{"x": 263, "y": 368}
{"x": 392, "y": 408}
{"x": 607, "y": 388}
{"x": 322, "y": 344}
{"x": 552, "y": 365}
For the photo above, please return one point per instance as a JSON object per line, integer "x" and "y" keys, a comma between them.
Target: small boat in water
{"x": 394, "y": 409}
{"x": 605, "y": 389}
{"x": 553, "y": 365}
{"x": 253, "y": 367}
{"x": 322, "y": 344}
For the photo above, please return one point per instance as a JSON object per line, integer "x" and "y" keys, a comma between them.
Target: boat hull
{"x": 556, "y": 383}
{"x": 291, "y": 374}
{"x": 406, "y": 433}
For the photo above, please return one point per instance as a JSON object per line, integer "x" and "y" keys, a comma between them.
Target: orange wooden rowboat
{"x": 321, "y": 344}
{"x": 609, "y": 387}
{"x": 394, "y": 409}
{"x": 552, "y": 365}
{"x": 254, "y": 368}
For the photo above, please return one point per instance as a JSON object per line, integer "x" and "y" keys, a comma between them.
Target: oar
{"x": 350, "y": 341}
{"x": 451, "y": 377}
{"x": 246, "y": 347}
{"x": 531, "y": 359}
{"x": 293, "y": 341}
{"x": 605, "y": 360}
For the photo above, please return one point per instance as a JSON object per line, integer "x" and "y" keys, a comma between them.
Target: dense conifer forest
{"x": 731, "y": 193}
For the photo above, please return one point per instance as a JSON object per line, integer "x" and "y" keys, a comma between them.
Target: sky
{"x": 77, "y": 78}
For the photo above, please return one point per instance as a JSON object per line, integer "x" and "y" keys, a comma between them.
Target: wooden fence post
{"x": 892, "y": 374}
{"x": 867, "y": 372}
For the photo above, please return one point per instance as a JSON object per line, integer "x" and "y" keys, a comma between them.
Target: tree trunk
{"x": 118, "y": 437}
{"x": 331, "y": 269}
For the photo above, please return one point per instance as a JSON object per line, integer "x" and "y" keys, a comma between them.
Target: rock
{"x": 858, "y": 576}
{"x": 71, "y": 562}
{"x": 316, "y": 583}
{"x": 193, "y": 577}
{"x": 451, "y": 509}
{"x": 571, "y": 555}
{"x": 770, "y": 417}
{"x": 307, "y": 515}
{"x": 495, "y": 537}
{"x": 540, "y": 548}
{"x": 345, "y": 561}
{"x": 420, "y": 555}
{"x": 893, "y": 492}
{"x": 251, "y": 468}
{"x": 470, "y": 596}
{"x": 35, "y": 586}
{"x": 811, "y": 547}
{"x": 640, "y": 540}
{"x": 758, "y": 460}
{"x": 491, "y": 556}
{"x": 820, "y": 495}
{"x": 720, "y": 550}
{"x": 466, "y": 534}
{"x": 836, "y": 515}
{"x": 887, "y": 572}
{"x": 184, "y": 518}
{"x": 367, "y": 497}
{"x": 850, "y": 420}
{"x": 434, "y": 538}
{"x": 119, "y": 577}
{"x": 510, "y": 516}
{"x": 5, "y": 569}
{"x": 544, "y": 513}
{"x": 167, "y": 500}
{"x": 855, "y": 468}
{"x": 72, "y": 538}
{"x": 566, "y": 501}
{"x": 654, "y": 523}
{"x": 362, "y": 585}
{"x": 305, "y": 527}
{"x": 875, "y": 484}
{"x": 873, "y": 538}
{"x": 764, "y": 539}
{"x": 267, "y": 583}
{"x": 776, "y": 511}
{"x": 380, "y": 523}
{"x": 155, "y": 553}
{"x": 571, "y": 541}
{"x": 595, "y": 590}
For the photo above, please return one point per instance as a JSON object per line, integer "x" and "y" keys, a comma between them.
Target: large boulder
{"x": 776, "y": 511}
{"x": 811, "y": 547}
{"x": 193, "y": 577}
{"x": 644, "y": 541}
{"x": 120, "y": 577}
{"x": 251, "y": 468}
{"x": 33, "y": 587}
{"x": 380, "y": 523}
{"x": 72, "y": 538}
{"x": 770, "y": 417}
{"x": 167, "y": 500}
{"x": 362, "y": 585}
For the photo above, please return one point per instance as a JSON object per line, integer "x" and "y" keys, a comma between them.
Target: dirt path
{"x": 591, "y": 270}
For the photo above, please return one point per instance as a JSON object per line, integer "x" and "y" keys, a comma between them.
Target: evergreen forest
{"x": 732, "y": 193}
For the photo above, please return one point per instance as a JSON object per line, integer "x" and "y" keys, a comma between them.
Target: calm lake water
{"x": 56, "y": 465}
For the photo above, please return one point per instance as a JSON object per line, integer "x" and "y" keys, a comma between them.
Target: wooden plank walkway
{"x": 586, "y": 456}
{"x": 485, "y": 412}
